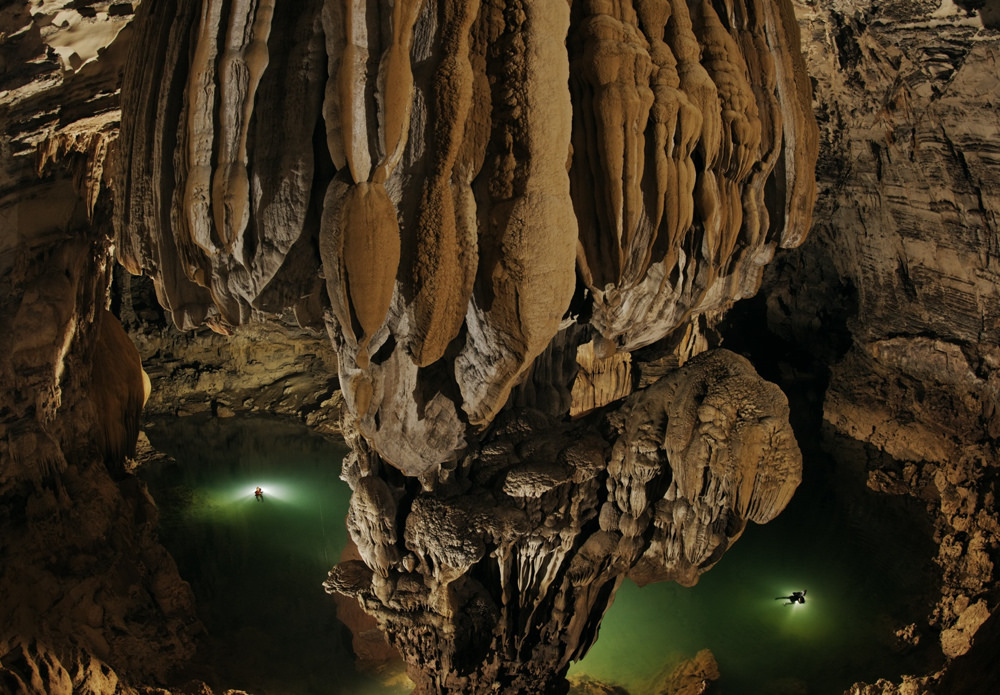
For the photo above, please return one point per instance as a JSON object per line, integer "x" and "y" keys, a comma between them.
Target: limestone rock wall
{"x": 81, "y": 571}
{"x": 272, "y": 367}
{"x": 86, "y": 591}
{"x": 904, "y": 257}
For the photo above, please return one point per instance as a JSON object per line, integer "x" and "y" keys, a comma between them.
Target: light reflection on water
{"x": 256, "y": 568}
{"x": 865, "y": 565}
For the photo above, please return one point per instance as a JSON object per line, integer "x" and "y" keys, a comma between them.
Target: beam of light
{"x": 273, "y": 490}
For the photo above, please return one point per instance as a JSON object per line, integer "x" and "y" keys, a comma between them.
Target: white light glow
{"x": 270, "y": 490}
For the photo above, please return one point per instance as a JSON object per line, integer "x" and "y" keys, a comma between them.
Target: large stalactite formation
{"x": 480, "y": 185}
{"x": 518, "y": 222}
{"x": 457, "y": 173}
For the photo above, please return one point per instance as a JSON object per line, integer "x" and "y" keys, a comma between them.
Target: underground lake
{"x": 256, "y": 568}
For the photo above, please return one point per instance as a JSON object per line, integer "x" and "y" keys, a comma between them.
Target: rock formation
{"x": 433, "y": 196}
{"x": 500, "y": 577}
{"x": 906, "y": 235}
{"x": 484, "y": 189}
{"x": 86, "y": 591}
{"x": 272, "y": 367}
{"x": 516, "y": 224}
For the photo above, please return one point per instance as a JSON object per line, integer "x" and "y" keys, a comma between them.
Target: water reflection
{"x": 256, "y": 567}
{"x": 867, "y": 568}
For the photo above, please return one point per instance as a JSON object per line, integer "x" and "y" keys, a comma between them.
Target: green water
{"x": 256, "y": 567}
{"x": 864, "y": 564}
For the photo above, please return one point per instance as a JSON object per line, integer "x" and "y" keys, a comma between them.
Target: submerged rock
{"x": 692, "y": 677}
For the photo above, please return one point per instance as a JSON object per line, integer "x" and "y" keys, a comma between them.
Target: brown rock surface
{"x": 86, "y": 591}
{"x": 502, "y": 574}
{"x": 86, "y": 587}
{"x": 463, "y": 194}
{"x": 270, "y": 367}
{"x": 904, "y": 257}
{"x": 440, "y": 204}
{"x": 694, "y": 676}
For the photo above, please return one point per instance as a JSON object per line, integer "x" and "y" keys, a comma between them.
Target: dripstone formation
{"x": 517, "y": 224}
{"x": 498, "y": 579}
{"x": 462, "y": 194}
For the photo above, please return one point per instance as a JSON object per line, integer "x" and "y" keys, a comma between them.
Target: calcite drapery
{"x": 732, "y": 456}
{"x": 686, "y": 115}
{"x": 476, "y": 198}
{"x": 415, "y": 156}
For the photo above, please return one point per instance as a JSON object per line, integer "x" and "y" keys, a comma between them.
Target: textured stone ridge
{"x": 501, "y": 576}
{"x": 401, "y": 174}
{"x": 681, "y": 119}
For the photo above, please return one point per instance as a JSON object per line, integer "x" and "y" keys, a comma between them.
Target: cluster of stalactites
{"x": 448, "y": 228}
{"x": 220, "y": 102}
{"x": 693, "y": 152}
{"x": 430, "y": 178}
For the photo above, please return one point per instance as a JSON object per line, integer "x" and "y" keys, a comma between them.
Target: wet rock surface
{"x": 467, "y": 195}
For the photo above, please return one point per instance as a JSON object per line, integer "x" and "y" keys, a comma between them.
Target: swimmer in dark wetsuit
{"x": 796, "y": 597}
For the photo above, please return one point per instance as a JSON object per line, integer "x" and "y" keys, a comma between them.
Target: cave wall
{"x": 902, "y": 269}
{"x": 86, "y": 591}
